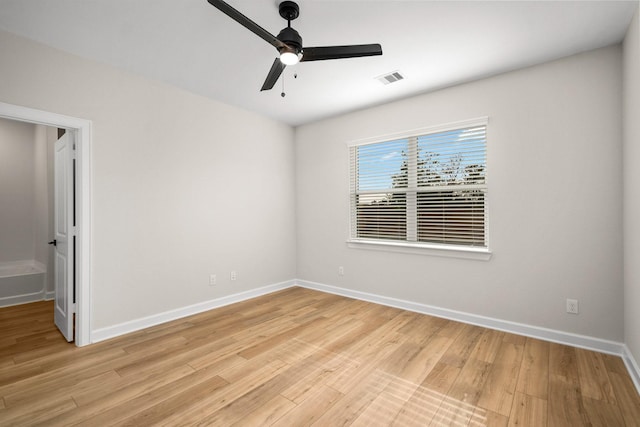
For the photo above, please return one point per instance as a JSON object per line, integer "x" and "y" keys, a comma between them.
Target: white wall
{"x": 41, "y": 196}
{"x": 182, "y": 186}
{"x": 51, "y": 138}
{"x": 17, "y": 183}
{"x": 555, "y": 199}
{"x": 631, "y": 152}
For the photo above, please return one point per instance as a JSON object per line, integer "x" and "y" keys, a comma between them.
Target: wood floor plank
{"x": 39, "y": 414}
{"x": 51, "y": 390}
{"x": 484, "y": 418}
{"x": 237, "y": 406}
{"x": 419, "y": 408}
{"x": 488, "y": 345}
{"x": 614, "y": 364}
{"x": 565, "y": 405}
{"x": 385, "y": 337}
{"x": 528, "y": 411}
{"x": 350, "y": 378}
{"x": 160, "y": 411}
{"x": 311, "y": 409}
{"x": 78, "y": 368}
{"x": 95, "y": 402}
{"x": 458, "y": 407}
{"x": 294, "y": 351}
{"x": 302, "y": 357}
{"x": 142, "y": 403}
{"x": 163, "y": 342}
{"x": 441, "y": 377}
{"x": 563, "y": 365}
{"x": 402, "y": 402}
{"x": 627, "y": 397}
{"x": 451, "y": 329}
{"x": 151, "y": 361}
{"x": 454, "y": 412}
{"x": 316, "y": 373}
{"x": 422, "y": 328}
{"x": 200, "y": 357}
{"x": 9, "y": 375}
{"x": 533, "y": 378}
{"x": 604, "y": 414}
{"x": 346, "y": 410}
{"x": 383, "y": 410}
{"x": 469, "y": 384}
{"x": 340, "y": 335}
{"x": 463, "y": 345}
{"x": 266, "y": 414}
{"x": 348, "y": 335}
{"x": 285, "y": 335}
{"x": 499, "y": 388}
{"x": 207, "y": 405}
{"x": 594, "y": 381}
{"x": 39, "y": 349}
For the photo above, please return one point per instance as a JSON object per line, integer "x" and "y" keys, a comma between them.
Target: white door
{"x": 63, "y": 235}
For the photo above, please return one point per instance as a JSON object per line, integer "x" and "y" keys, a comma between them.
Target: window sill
{"x": 480, "y": 254}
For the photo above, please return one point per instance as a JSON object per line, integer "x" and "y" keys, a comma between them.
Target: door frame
{"x": 82, "y": 132}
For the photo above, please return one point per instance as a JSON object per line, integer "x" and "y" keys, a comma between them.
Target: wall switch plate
{"x": 572, "y": 306}
{"x": 213, "y": 280}
{"x": 233, "y": 275}
{"x": 341, "y": 271}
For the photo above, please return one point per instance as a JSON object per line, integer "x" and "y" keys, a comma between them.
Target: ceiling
{"x": 434, "y": 44}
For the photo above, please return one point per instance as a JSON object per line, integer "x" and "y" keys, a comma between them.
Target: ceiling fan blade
{"x": 339, "y": 52}
{"x": 247, "y": 23}
{"x": 274, "y": 73}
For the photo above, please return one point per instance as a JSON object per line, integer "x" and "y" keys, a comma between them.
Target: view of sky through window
{"x": 381, "y": 166}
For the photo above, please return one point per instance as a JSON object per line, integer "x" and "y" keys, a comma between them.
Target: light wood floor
{"x": 300, "y": 357}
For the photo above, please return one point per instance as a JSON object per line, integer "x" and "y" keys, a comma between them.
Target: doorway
{"x": 81, "y": 131}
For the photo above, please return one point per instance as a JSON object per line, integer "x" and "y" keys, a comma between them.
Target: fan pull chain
{"x": 295, "y": 76}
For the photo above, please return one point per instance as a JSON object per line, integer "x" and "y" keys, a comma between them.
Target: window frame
{"x": 424, "y": 248}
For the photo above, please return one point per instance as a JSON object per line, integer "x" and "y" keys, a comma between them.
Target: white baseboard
{"x": 21, "y": 299}
{"x": 575, "y": 340}
{"x": 632, "y": 367}
{"x": 167, "y": 316}
{"x": 48, "y": 296}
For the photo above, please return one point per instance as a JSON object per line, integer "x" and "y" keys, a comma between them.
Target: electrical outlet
{"x": 341, "y": 271}
{"x": 572, "y": 306}
{"x": 213, "y": 280}
{"x": 233, "y": 275}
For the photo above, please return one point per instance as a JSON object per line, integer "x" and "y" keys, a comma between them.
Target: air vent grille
{"x": 392, "y": 77}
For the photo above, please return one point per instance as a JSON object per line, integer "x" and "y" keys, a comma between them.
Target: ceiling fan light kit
{"x": 289, "y": 58}
{"x": 289, "y": 42}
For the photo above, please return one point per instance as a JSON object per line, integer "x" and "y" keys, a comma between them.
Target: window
{"x": 426, "y": 189}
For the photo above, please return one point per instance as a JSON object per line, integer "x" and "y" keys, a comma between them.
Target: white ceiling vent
{"x": 391, "y": 77}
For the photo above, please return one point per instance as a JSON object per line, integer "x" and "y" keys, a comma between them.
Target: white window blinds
{"x": 425, "y": 189}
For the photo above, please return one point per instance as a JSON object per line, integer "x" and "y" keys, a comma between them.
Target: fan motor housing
{"x": 290, "y": 37}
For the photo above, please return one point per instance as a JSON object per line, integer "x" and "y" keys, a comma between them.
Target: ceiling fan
{"x": 289, "y": 43}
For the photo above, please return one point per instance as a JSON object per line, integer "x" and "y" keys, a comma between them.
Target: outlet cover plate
{"x": 572, "y": 306}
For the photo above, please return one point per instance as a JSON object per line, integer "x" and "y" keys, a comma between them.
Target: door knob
{"x": 53, "y": 242}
